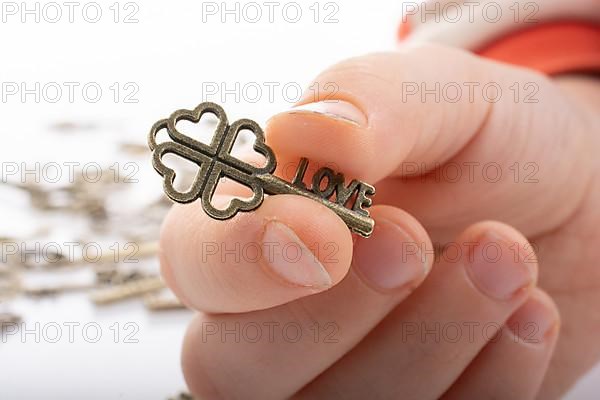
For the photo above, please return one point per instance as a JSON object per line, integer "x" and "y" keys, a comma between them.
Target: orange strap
{"x": 551, "y": 48}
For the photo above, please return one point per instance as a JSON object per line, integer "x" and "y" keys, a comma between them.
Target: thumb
{"x": 389, "y": 117}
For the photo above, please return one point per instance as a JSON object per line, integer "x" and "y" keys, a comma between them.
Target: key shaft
{"x": 357, "y": 222}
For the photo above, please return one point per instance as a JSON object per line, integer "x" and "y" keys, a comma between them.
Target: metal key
{"x": 215, "y": 161}
{"x": 127, "y": 290}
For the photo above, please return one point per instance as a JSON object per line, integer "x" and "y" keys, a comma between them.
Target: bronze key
{"x": 215, "y": 161}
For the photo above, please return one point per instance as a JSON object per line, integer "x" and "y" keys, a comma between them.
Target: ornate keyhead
{"x": 214, "y": 160}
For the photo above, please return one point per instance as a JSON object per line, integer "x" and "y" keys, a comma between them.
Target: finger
{"x": 441, "y": 327}
{"x": 400, "y": 114}
{"x": 514, "y": 364}
{"x": 278, "y": 253}
{"x": 273, "y": 353}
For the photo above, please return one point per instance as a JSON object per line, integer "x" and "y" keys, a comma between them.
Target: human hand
{"x": 386, "y": 289}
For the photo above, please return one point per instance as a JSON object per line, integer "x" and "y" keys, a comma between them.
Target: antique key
{"x": 215, "y": 161}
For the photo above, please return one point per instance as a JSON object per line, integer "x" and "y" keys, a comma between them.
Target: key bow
{"x": 214, "y": 160}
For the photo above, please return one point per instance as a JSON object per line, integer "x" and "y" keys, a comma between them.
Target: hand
{"x": 374, "y": 133}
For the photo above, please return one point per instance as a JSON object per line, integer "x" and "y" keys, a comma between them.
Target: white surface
{"x": 169, "y": 54}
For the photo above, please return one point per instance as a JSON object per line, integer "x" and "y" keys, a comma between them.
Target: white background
{"x": 170, "y": 55}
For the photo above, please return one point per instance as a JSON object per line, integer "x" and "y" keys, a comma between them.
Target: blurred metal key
{"x": 215, "y": 161}
{"x": 127, "y": 290}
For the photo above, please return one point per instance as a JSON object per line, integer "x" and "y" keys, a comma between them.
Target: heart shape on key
{"x": 214, "y": 160}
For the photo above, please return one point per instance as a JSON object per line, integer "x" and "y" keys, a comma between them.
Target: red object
{"x": 551, "y": 48}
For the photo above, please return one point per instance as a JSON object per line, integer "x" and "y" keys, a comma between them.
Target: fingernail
{"x": 497, "y": 269}
{"x": 534, "y": 322}
{"x": 390, "y": 258}
{"x": 337, "y": 109}
{"x": 290, "y": 259}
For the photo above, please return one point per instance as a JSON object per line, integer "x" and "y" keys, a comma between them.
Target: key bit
{"x": 215, "y": 161}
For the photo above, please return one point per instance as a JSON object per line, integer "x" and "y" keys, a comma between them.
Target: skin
{"x": 557, "y": 213}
